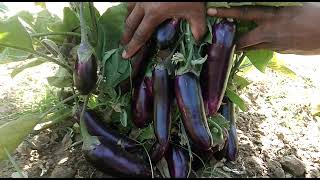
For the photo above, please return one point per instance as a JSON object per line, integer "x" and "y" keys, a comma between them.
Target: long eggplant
{"x": 167, "y": 33}
{"x": 231, "y": 147}
{"x": 190, "y": 103}
{"x": 178, "y": 162}
{"x": 161, "y": 106}
{"x": 113, "y": 160}
{"x": 157, "y": 151}
{"x": 142, "y": 103}
{"x": 105, "y": 134}
{"x": 216, "y": 69}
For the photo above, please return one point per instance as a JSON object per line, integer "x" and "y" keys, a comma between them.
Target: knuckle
{"x": 139, "y": 36}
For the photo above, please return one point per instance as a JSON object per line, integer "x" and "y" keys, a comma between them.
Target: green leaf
{"x": 260, "y": 58}
{"x": 240, "y": 82}
{"x": 14, "y": 34}
{"x": 61, "y": 79}
{"x": 13, "y": 55}
{"x": 278, "y": 4}
{"x": 116, "y": 69}
{"x": 220, "y": 120}
{"x": 69, "y": 23}
{"x": 3, "y": 8}
{"x": 13, "y": 133}
{"x": 146, "y": 134}
{"x": 278, "y": 65}
{"x": 110, "y": 28}
{"x": 217, "y": 4}
{"x": 44, "y": 20}
{"x": 26, "y": 16}
{"x": 236, "y": 99}
{"x": 41, "y": 4}
{"x": 27, "y": 65}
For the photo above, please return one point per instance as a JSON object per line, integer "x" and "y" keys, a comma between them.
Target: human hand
{"x": 144, "y": 17}
{"x": 285, "y": 29}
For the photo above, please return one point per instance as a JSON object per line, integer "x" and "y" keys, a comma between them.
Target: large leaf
{"x": 240, "y": 82}
{"x": 30, "y": 64}
{"x": 278, "y": 65}
{"x": 27, "y": 17}
{"x": 12, "y": 33}
{"x": 14, "y": 132}
{"x": 116, "y": 69}
{"x": 44, "y": 20}
{"x": 61, "y": 79}
{"x": 236, "y": 99}
{"x": 146, "y": 134}
{"x": 260, "y": 58}
{"x": 110, "y": 28}
{"x": 69, "y": 23}
{"x": 3, "y": 8}
{"x": 11, "y": 55}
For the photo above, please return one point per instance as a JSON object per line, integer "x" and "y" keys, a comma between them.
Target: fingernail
{"x": 124, "y": 54}
{"x": 212, "y": 11}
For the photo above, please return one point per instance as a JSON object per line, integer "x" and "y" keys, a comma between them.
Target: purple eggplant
{"x": 106, "y": 135}
{"x": 215, "y": 72}
{"x": 85, "y": 75}
{"x": 114, "y": 161}
{"x": 167, "y": 33}
{"x": 227, "y": 111}
{"x": 190, "y": 103}
{"x": 157, "y": 151}
{"x": 205, "y": 156}
{"x": 178, "y": 162}
{"x": 161, "y": 107}
{"x": 142, "y": 103}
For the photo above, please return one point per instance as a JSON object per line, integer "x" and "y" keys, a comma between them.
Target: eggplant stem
{"x": 34, "y": 35}
{"x": 237, "y": 65}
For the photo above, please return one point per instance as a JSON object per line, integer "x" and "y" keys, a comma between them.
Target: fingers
{"x": 252, "y": 38}
{"x": 130, "y": 6}
{"x": 132, "y": 22}
{"x": 198, "y": 27}
{"x": 140, "y": 37}
{"x": 245, "y": 13}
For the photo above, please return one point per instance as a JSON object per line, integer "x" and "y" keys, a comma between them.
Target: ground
{"x": 278, "y": 136}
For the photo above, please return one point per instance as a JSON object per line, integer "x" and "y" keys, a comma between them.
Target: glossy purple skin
{"x": 189, "y": 99}
{"x": 115, "y": 161}
{"x": 178, "y": 163}
{"x": 106, "y": 135}
{"x": 161, "y": 104}
{"x": 142, "y": 103}
{"x": 166, "y": 34}
{"x": 232, "y": 148}
{"x": 157, "y": 151}
{"x": 216, "y": 70}
{"x": 85, "y": 75}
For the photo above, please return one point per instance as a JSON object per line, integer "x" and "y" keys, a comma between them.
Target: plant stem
{"x": 55, "y": 33}
{"x": 39, "y": 54}
{"x": 236, "y": 65}
{"x": 83, "y": 26}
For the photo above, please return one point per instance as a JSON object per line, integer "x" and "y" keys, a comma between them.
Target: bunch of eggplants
{"x": 154, "y": 89}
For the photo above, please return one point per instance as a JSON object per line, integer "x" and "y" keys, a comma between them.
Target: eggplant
{"x": 85, "y": 68}
{"x": 106, "y": 135}
{"x": 215, "y": 72}
{"x": 85, "y": 75}
{"x": 231, "y": 147}
{"x": 161, "y": 110}
{"x": 161, "y": 104}
{"x": 139, "y": 63}
{"x": 205, "y": 156}
{"x": 113, "y": 160}
{"x": 190, "y": 103}
{"x": 178, "y": 162}
{"x": 142, "y": 103}
{"x": 167, "y": 33}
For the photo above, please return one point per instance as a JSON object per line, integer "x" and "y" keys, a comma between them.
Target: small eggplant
{"x": 157, "y": 151}
{"x": 167, "y": 33}
{"x": 232, "y": 142}
{"x": 142, "y": 103}
{"x": 113, "y": 160}
{"x": 190, "y": 103}
{"x": 85, "y": 75}
{"x": 178, "y": 162}
{"x": 106, "y": 135}
{"x": 215, "y": 72}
